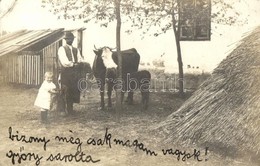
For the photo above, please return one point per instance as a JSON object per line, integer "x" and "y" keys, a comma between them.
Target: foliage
{"x": 156, "y": 15}
{"x": 100, "y": 11}
{"x": 153, "y": 16}
{"x": 158, "y": 63}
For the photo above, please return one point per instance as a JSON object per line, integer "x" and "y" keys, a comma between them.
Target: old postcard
{"x": 126, "y": 83}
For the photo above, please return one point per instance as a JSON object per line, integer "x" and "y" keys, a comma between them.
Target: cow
{"x": 105, "y": 67}
{"x": 141, "y": 80}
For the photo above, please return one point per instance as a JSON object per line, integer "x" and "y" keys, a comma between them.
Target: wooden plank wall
{"x": 28, "y": 67}
{"x": 23, "y": 69}
{"x": 50, "y": 59}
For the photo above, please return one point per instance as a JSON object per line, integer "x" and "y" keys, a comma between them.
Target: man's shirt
{"x": 65, "y": 62}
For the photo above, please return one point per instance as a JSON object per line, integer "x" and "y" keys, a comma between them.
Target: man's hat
{"x": 69, "y": 35}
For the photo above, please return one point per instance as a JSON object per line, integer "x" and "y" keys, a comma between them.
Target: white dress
{"x": 43, "y": 99}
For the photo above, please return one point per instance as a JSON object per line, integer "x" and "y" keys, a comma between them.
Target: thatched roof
{"x": 224, "y": 113}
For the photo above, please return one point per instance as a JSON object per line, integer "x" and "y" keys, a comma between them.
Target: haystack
{"x": 224, "y": 113}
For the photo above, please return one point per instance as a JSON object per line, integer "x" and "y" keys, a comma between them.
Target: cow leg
{"x": 109, "y": 93}
{"x": 102, "y": 103}
{"x": 122, "y": 96}
{"x": 145, "y": 99}
{"x": 130, "y": 97}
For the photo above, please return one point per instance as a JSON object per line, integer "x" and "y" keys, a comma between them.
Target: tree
{"x": 143, "y": 14}
{"x": 118, "y": 46}
{"x": 102, "y": 11}
{"x": 165, "y": 15}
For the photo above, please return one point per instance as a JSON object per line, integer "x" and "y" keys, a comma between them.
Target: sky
{"x": 28, "y": 14}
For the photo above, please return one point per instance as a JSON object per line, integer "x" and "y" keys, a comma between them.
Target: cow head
{"x": 105, "y": 53}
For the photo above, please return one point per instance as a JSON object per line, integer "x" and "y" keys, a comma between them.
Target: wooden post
{"x": 80, "y": 39}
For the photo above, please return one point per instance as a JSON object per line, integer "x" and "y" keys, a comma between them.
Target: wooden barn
{"x": 26, "y": 55}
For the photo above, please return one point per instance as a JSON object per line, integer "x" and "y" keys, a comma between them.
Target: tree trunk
{"x": 176, "y": 30}
{"x": 179, "y": 59}
{"x": 118, "y": 45}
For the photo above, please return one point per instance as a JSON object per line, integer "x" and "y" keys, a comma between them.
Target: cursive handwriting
{"x": 185, "y": 155}
{"x": 78, "y": 157}
{"x": 23, "y": 138}
{"x": 106, "y": 140}
{"x": 71, "y": 140}
{"x": 24, "y": 157}
{"x": 136, "y": 145}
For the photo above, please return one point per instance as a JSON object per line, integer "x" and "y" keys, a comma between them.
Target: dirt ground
{"x": 19, "y": 117}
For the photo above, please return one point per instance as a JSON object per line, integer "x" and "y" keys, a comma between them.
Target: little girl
{"x": 44, "y": 97}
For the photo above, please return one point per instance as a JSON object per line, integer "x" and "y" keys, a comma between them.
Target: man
{"x": 70, "y": 65}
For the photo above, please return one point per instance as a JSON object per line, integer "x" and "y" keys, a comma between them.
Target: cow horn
{"x": 95, "y": 47}
{"x": 112, "y": 48}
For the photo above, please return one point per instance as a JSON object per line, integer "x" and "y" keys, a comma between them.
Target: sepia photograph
{"x": 130, "y": 82}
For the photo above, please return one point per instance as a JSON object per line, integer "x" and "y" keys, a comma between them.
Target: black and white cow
{"x": 105, "y": 70}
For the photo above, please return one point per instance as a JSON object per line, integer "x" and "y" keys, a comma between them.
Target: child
{"x": 44, "y": 97}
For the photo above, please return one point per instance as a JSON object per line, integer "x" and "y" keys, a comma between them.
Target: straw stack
{"x": 224, "y": 113}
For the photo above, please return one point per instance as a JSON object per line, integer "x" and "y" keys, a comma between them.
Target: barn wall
{"x": 50, "y": 59}
{"x": 22, "y": 68}
{"x": 28, "y": 67}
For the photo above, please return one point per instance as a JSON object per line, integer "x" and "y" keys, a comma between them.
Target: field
{"x": 94, "y": 136}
